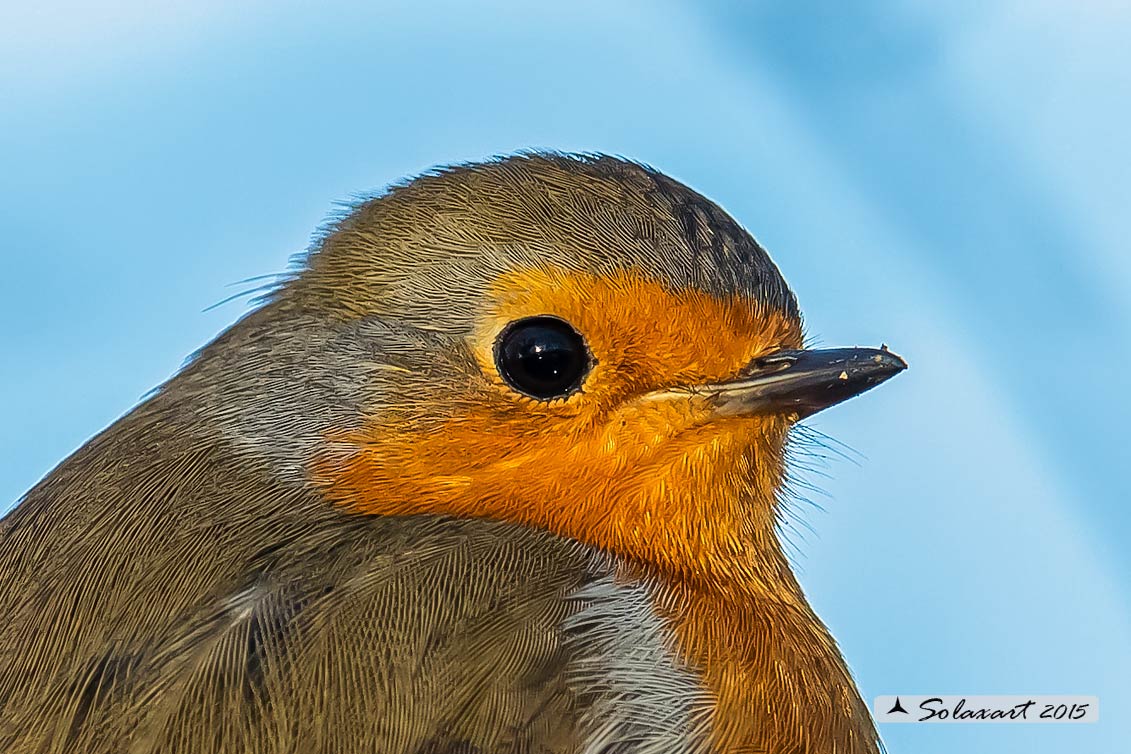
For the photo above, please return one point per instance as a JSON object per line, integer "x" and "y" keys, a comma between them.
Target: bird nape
{"x": 498, "y": 470}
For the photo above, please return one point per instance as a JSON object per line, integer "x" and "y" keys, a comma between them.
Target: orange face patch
{"x": 665, "y": 481}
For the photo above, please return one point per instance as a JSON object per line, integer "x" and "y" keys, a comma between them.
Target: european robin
{"x": 499, "y": 470}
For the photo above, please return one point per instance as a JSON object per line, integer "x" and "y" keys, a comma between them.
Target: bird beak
{"x": 801, "y": 383}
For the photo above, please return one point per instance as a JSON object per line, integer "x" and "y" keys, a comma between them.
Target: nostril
{"x": 774, "y": 362}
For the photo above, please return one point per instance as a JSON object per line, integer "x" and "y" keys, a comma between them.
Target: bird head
{"x": 579, "y": 344}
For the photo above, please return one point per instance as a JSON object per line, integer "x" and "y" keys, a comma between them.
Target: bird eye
{"x": 543, "y": 357}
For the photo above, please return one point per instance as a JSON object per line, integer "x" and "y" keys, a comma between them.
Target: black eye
{"x": 542, "y": 357}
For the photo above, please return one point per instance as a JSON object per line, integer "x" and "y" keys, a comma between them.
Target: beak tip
{"x": 889, "y": 362}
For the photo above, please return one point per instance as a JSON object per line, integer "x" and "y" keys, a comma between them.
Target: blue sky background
{"x": 948, "y": 178}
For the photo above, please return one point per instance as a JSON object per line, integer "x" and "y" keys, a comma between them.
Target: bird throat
{"x": 706, "y": 545}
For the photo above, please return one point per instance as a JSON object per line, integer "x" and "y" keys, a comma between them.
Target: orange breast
{"x": 685, "y": 497}
{"x": 779, "y": 683}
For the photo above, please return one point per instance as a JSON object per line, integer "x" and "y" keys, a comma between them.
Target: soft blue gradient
{"x": 949, "y": 178}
